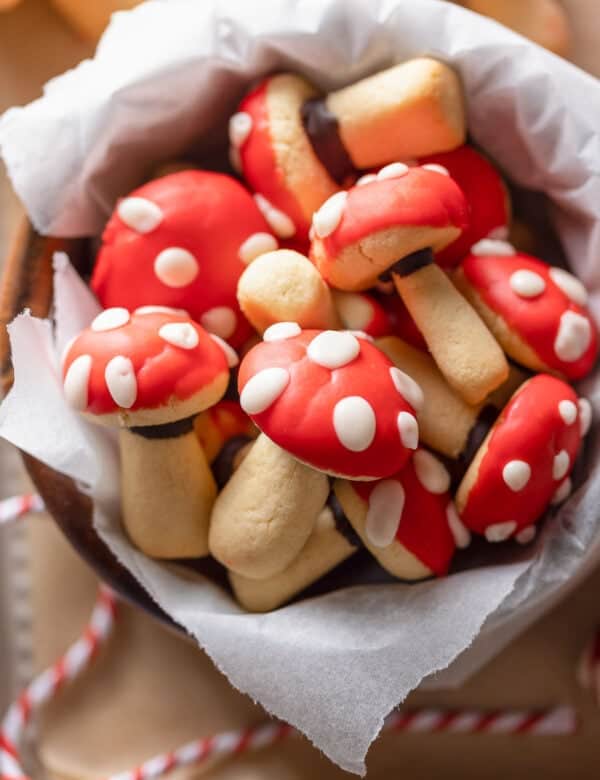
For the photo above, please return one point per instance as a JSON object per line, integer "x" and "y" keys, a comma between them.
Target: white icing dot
{"x": 261, "y": 390}
{"x": 235, "y": 159}
{"x": 140, "y": 214}
{"x": 354, "y": 423}
{"x": 460, "y": 533}
{"x": 255, "y": 245}
{"x": 281, "y": 331}
{"x": 386, "y": 504}
{"x": 240, "y": 127}
{"x": 279, "y": 222}
{"x": 573, "y": 337}
{"x": 560, "y": 465}
{"x": 499, "y": 233}
{"x": 355, "y": 310}
{"x": 176, "y": 267}
{"x": 562, "y": 492}
{"x": 76, "y": 382}
{"x": 360, "y": 334}
{"x": 567, "y": 411}
{"x": 392, "y": 171}
{"x": 179, "y": 334}
{"x": 408, "y": 388}
{"x": 570, "y": 285}
{"x": 431, "y": 472}
{"x": 585, "y": 415}
{"x": 498, "y": 532}
{"x": 437, "y": 168}
{"x": 526, "y": 534}
{"x": 220, "y": 320}
{"x": 516, "y": 474}
{"x": 110, "y": 319}
{"x": 329, "y": 216}
{"x": 527, "y": 284}
{"x": 489, "y": 246}
{"x": 367, "y": 178}
{"x": 333, "y": 348}
{"x": 161, "y": 310}
{"x": 119, "y": 376}
{"x": 409, "y": 430}
{"x": 231, "y": 356}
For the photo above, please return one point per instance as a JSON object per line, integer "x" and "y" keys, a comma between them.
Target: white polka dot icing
{"x": 354, "y": 423}
{"x": 279, "y": 222}
{"x": 76, "y": 382}
{"x": 221, "y": 320}
{"x": 176, "y": 267}
{"x": 499, "y": 233}
{"x": 392, "y": 171}
{"x": 408, "y": 429}
{"x": 562, "y": 492}
{"x": 119, "y": 376}
{"x": 573, "y": 337}
{"x": 408, "y": 388}
{"x": 140, "y": 214}
{"x": 367, "y": 178}
{"x": 516, "y": 474}
{"x": 570, "y": 285}
{"x": 436, "y": 168}
{"x": 161, "y": 310}
{"x": 179, "y": 334}
{"x": 527, "y": 284}
{"x": 386, "y": 504}
{"x": 526, "y": 535}
{"x": 585, "y": 415}
{"x": 240, "y": 127}
{"x": 231, "y": 356}
{"x": 256, "y": 245}
{"x": 431, "y": 473}
{"x": 498, "y": 532}
{"x": 329, "y": 216}
{"x": 567, "y": 411}
{"x": 263, "y": 389}
{"x": 280, "y": 331}
{"x": 235, "y": 159}
{"x": 333, "y": 348}
{"x": 560, "y": 465}
{"x": 493, "y": 247}
{"x": 460, "y": 533}
{"x": 110, "y": 319}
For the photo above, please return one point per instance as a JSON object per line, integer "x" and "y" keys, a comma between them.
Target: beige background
{"x": 150, "y": 690}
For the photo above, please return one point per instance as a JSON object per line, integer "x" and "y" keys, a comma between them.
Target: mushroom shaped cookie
{"x": 327, "y": 402}
{"x": 537, "y": 312}
{"x": 183, "y": 241}
{"x": 393, "y": 224}
{"x": 484, "y": 191}
{"x": 149, "y": 374}
{"x": 361, "y": 311}
{"x": 524, "y": 462}
{"x": 218, "y": 425}
{"x": 408, "y": 521}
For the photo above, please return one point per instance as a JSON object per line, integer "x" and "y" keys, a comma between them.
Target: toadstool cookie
{"x": 216, "y": 426}
{"x": 183, "y": 241}
{"x": 361, "y": 311}
{"x": 151, "y": 373}
{"x": 537, "y": 312}
{"x": 407, "y": 521}
{"x": 524, "y": 463}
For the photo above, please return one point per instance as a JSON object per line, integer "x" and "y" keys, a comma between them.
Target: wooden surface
{"x": 150, "y": 690}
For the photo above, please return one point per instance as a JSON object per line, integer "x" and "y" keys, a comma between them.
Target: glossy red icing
{"x": 401, "y": 323}
{"x": 379, "y": 324}
{"x": 423, "y": 527}
{"x": 485, "y": 194}
{"x": 536, "y": 320}
{"x": 529, "y": 429}
{"x": 260, "y": 167}
{"x": 163, "y": 371}
{"x": 300, "y": 420}
{"x": 419, "y": 198}
{"x": 208, "y": 214}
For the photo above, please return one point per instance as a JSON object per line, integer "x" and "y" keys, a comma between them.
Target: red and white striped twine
{"x": 16, "y": 507}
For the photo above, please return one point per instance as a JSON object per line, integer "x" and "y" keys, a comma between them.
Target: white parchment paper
{"x": 166, "y": 76}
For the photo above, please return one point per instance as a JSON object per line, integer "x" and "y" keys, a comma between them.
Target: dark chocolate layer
{"x": 341, "y": 521}
{"x": 222, "y": 466}
{"x": 322, "y": 129}
{"x": 414, "y": 262}
{"x": 167, "y": 430}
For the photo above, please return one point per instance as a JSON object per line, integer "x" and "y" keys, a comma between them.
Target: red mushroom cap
{"x": 414, "y": 508}
{"x": 361, "y": 311}
{"x": 485, "y": 194}
{"x": 332, "y": 400}
{"x": 183, "y": 241}
{"x": 401, "y": 324}
{"x": 153, "y": 359}
{"x": 528, "y": 456}
{"x": 399, "y": 196}
{"x": 543, "y": 304}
